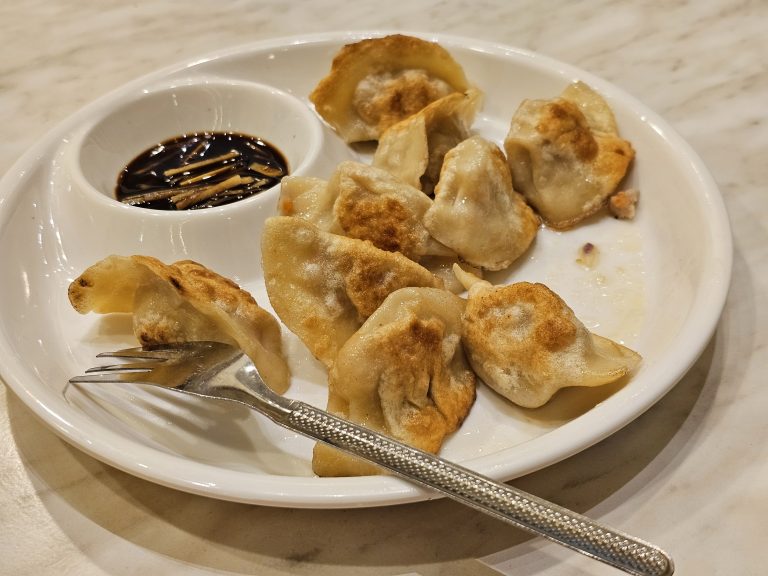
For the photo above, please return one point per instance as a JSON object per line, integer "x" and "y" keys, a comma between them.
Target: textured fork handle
{"x": 499, "y": 500}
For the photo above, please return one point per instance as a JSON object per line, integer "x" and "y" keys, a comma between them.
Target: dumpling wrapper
{"x": 403, "y": 373}
{"x": 310, "y": 199}
{"x": 324, "y": 286}
{"x": 377, "y": 82}
{"x": 413, "y": 150}
{"x": 566, "y": 156}
{"x": 442, "y": 267}
{"x": 594, "y": 107}
{"x": 367, "y": 203}
{"x": 526, "y": 343}
{"x": 476, "y": 212}
{"x": 184, "y": 301}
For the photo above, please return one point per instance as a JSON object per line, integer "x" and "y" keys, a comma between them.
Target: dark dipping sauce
{"x": 200, "y": 170}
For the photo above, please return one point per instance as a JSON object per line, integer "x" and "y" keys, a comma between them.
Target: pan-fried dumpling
{"x": 403, "y": 373}
{"x": 377, "y": 82}
{"x": 367, "y": 203}
{"x": 566, "y": 156}
{"x": 413, "y": 150}
{"x": 526, "y": 343}
{"x": 180, "y": 302}
{"x": 323, "y": 286}
{"x": 476, "y": 212}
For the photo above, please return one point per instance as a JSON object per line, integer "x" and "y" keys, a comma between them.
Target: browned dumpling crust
{"x": 377, "y": 82}
{"x": 374, "y": 205}
{"x": 184, "y": 301}
{"x": 403, "y": 373}
{"x": 364, "y": 202}
{"x": 324, "y": 286}
{"x": 526, "y": 343}
{"x": 566, "y": 156}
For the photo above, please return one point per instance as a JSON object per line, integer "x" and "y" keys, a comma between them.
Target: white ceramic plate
{"x": 659, "y": 285}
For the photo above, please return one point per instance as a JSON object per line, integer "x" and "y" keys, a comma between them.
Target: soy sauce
{"x": 200, "y": 170}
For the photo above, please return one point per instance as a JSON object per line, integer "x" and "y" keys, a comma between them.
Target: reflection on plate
{"x": 659, "y": 287}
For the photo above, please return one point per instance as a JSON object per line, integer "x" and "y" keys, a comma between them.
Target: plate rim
{"x": 377, "y": 491}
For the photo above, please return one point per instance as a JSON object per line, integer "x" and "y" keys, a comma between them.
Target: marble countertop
{"x": 691, "y": 474}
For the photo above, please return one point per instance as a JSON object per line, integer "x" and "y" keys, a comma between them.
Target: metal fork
{"x": 216, "y": 370}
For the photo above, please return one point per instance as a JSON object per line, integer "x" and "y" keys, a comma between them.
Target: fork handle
{"x": 499, "y": 500}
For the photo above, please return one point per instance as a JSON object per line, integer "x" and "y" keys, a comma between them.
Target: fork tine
{"x": 149, "y": 353}
{"x": 105, "y": 378}
{"x": 169, "y": 351}
{"x": 127, "y": 367}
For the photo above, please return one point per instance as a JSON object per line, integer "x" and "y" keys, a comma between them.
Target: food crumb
{"x": 623, "y": 204}
{"x": 588, "y": 255}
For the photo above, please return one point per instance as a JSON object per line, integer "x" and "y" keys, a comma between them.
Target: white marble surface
{"x": 691, "y": 474}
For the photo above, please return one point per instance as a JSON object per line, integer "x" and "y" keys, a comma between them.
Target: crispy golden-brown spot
{"x": 555, "y": 333}
{"x": 613, "y": 164}
{"x": 386, "y": 223}
{"x": 492, "y": 311}
{"x": 565, "y": 127}
{"x": 429, "y": 397}
{"x": 369, "y": 282}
